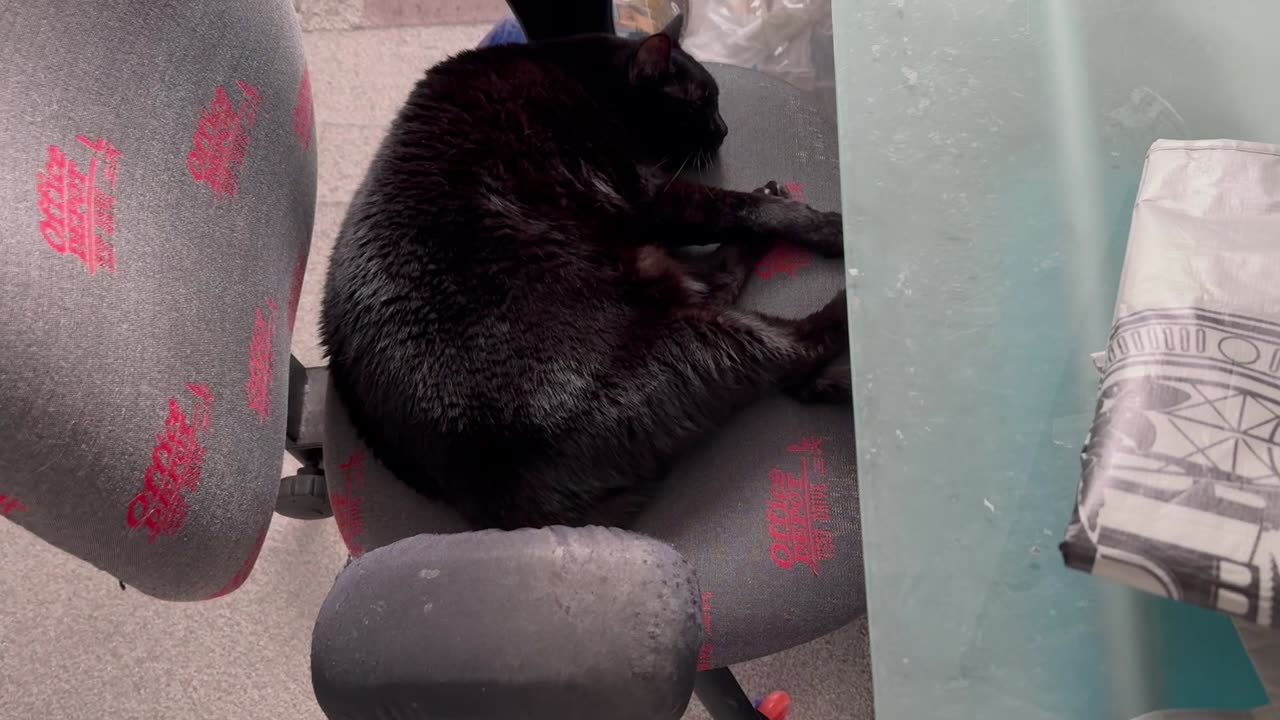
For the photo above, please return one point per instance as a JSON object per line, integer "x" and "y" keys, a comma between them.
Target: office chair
{"x": 151, "y": 257}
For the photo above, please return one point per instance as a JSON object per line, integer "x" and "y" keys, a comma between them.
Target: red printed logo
{"x": 10, "y": 505}
{"x": 79, "y": 213}
{"x": 348, "y": 504}
{"x": 243, "y": 573}
{"x": 176, "y": 463}
{"x": 704, "y": 654}
{"x": 262, "y": 362}
{"x": 795, "y": 190}
{"x": 798, "y": 511}
{"x": 782, "y": 260}
{"x": 304, "y": 114}
{"x": 221, "y": 140}
{"x": 295, "y": 287}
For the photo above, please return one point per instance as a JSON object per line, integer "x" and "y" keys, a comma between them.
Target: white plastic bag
{"x": 773, "y": 36}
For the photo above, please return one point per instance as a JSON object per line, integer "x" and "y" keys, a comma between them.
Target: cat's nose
{"x": 721, "y": 129}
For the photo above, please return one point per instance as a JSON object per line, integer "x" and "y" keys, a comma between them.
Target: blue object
{"x": 1195, "y": 644}
{"x": 506, "y": 32}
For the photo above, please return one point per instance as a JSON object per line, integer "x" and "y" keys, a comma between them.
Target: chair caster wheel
{"x": 304, "y": 496}
{"x": 775, "y": 706}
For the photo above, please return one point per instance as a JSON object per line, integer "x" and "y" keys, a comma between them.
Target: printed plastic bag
{"x": 1180, "y": 490}
{"x": 637, "y": 18}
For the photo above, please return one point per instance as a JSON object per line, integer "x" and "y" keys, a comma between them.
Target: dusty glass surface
{"x": 990, "y": 153}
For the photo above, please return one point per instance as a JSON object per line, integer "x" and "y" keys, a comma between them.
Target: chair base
{"x": 719, "y": 692}
{"x": 305, "y": 495}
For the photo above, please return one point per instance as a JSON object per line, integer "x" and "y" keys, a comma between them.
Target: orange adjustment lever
{"x": 775, "y": 706}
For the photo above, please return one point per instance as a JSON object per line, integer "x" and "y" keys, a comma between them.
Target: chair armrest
{"x": 552, "y": 623}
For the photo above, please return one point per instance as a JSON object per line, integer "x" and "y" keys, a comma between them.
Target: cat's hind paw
{"x": 833, "y": 386}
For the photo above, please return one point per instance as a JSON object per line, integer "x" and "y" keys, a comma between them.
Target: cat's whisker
{"x": 678, "y": 171}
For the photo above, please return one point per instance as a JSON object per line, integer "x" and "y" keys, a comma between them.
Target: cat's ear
{"x": 675, "y": 28}
{"x": 652, "y": 59}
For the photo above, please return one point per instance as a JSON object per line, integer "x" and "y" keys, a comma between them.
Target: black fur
{"x": 503, "y": 319}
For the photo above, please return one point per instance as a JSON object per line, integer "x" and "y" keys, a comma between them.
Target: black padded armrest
{"x": 561, "y": 624}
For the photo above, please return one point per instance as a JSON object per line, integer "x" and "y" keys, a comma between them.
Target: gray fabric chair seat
{"x": 766, "y": 511}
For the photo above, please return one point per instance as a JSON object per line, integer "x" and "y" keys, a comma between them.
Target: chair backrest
{"x": 156, "y": 201}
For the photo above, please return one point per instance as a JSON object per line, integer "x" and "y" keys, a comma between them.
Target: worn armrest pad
{"x": 542, "y": 623}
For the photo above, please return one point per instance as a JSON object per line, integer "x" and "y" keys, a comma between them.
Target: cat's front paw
{"x": 773, "y": 189}
{"x": 825, "y": 235}
{"x": 800, "y": 224}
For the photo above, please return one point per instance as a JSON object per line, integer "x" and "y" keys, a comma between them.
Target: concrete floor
{"x": 73, "y": 646}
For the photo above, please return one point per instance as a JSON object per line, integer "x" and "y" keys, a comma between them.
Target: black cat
{"x": 503, "y": 317}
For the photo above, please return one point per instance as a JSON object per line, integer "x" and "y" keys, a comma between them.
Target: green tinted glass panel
{"x": 990, "y": 153}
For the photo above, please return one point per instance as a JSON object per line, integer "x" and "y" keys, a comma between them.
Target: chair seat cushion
{"x": 766, "y": 510}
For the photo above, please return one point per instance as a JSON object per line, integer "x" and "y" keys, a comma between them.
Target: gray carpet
{"x": 73, "y": 646}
